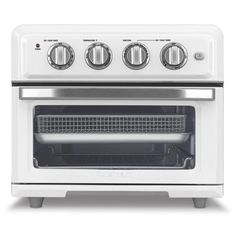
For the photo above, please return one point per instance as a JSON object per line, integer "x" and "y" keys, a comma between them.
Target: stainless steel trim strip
{"x": 117, "y": 93}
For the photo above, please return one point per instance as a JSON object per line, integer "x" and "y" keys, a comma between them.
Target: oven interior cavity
{"x": 114, "y": 137}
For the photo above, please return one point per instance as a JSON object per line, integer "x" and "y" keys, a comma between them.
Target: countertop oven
{"x": 114, "y": 128}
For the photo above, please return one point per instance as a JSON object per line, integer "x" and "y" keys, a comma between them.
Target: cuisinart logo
{"x": 113, "y": 174}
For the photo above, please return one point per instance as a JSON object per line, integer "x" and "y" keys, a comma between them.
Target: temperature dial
{"x": 136, "y": 56}
{"x": 174, "y": 56}
{"x": 61, "y": 56}
{"x": 98, "y": 56}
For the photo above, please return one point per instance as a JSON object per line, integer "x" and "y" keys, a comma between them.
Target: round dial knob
{"x": 136, "y": 56}
{"x": 61, "y": 56}
{"x": 174, "y": 56}
{"x": 98, "y": 56}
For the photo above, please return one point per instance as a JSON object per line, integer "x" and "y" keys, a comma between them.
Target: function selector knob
{"x": 61, "y": 56}
{"x": 98, "y": 56}
{"x": 136, "y": 56}
{"x": 174, "y": 56}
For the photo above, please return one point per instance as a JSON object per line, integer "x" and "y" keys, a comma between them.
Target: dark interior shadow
{"x": 118, "y": 200}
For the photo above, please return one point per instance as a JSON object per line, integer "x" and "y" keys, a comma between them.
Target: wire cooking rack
{"x": 111, "y": 123}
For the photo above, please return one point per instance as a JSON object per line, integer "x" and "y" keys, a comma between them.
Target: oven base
{"x": 37, "y": 202}
{"x": 37, "y": 192}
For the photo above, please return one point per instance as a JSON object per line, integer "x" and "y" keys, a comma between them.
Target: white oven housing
{"x": 203, "y": 181}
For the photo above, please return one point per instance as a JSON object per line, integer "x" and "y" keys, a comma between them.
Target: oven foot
{"x": 36, "y": 202}
{"x": 199, "y": 202}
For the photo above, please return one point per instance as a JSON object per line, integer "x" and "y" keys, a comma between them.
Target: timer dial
{"x": 61, "y": 56}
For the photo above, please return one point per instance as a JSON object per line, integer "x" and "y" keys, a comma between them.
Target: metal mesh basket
{"x": 111, "y": 123}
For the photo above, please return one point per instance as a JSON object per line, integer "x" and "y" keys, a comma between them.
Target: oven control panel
{"x": 101, "y": 53}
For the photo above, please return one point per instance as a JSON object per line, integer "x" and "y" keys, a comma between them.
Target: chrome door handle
{"x": 116, "y": 93}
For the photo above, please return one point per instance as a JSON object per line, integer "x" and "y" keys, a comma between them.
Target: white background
{"x": 118, "y": 214}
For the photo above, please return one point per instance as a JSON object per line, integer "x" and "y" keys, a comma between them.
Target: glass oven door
{"x": 114, "y": 137}
{"x": 117, "y": 135}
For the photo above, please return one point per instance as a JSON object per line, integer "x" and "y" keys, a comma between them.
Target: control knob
{"x": 98, "y": 56}
{"x": 61, "y": 56}
{"x": 136, "y": 56}
{"x": 174, "y": 56}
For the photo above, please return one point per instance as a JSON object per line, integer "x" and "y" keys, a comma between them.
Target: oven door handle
{"x": 116, "y": 93}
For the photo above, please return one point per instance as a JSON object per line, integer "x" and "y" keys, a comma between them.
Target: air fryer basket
{"x": 111, "y": 128}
